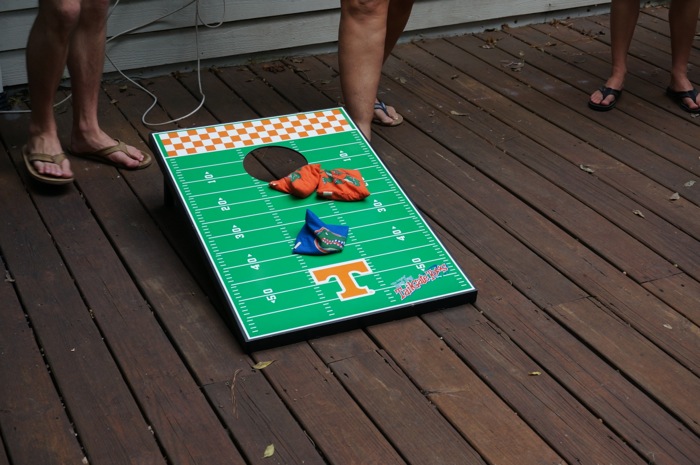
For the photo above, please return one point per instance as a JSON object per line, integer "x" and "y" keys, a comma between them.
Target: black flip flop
{"x": 606, "y": 91}
{"x": 678, "y": 97}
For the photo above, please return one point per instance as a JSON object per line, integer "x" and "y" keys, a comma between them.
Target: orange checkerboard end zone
{"x": 392, "y": 264}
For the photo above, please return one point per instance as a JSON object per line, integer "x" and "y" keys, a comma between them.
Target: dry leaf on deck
{"x": 269, "y": 451}
{"x": 456, "y": 113}
{"x": 586, "y": 169}
{"x": 262, "y": 365}
{"x": 535, "y": 373}
{"x": 689, "y": 184}
{"x": 638, "y": 213}
{"x": 674, "y": 196}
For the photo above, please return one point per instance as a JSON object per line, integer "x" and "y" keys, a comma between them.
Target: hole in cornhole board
{"x": 272, "y": 162}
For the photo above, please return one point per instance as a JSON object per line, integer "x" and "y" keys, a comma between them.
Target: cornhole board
{"x": 392, "y": 265}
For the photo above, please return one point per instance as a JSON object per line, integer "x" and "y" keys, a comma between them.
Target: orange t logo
{"x": 343, "y": 273}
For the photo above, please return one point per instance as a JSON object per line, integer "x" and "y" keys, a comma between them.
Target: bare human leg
{"x": 85, "y": 64}
{"x": 623, "y": 20}
{"x": 682, "y": 17}
{"x": 397, "y": 18}
{"x": 47, "y": 51}
{"x": 361, "y": 38}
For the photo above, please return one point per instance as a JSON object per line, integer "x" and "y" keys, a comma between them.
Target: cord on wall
{"x": 197, "y": 20}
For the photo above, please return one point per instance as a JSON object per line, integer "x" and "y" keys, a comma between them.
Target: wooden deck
{"x": 583, "y": 346}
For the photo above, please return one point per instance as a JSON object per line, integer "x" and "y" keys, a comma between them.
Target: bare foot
{"x": 680, "y": 85}
{"x": 386, "y": 115}
{"x": 52, "y": 149}
{"x": 597, "y": 97}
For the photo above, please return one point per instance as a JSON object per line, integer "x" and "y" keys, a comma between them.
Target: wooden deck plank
{"x": 681, "y": 292}
{"x": 576, "y": 185}
{"x": 306, "y": 66}
{"x": 459, "y": 402}
{"x": 411, "y": 423}
{"x": 85, "y": 372}
{"x": 22, "y": 369}
{"x": 652, "y": 196}
{"x": 638, "y": 357}
{"x": 602, "y": 303}
{"x": 599, "y": 387}
{"x": 644, "y": 86}
{"x": 564, "y": 350}
{"x": 126, "y": 323}
{"x": 607, "y": 283}
{"x": 215, "y": 359}
{"x": 635, "y": 144}
{"x": 334, "y": 421}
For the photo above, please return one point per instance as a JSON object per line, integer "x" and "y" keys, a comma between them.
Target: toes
{"x": 130, "y": 158}
{"x": 387, "y": 118}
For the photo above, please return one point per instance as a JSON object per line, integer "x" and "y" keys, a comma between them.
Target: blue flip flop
{"x": 381, "y": 106}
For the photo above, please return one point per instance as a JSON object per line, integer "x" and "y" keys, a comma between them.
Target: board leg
{"x": 168, "y": 198}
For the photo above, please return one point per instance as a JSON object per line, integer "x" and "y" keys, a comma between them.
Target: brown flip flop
{"x": 100, "y": 156}
{"x": 30, "y": 158}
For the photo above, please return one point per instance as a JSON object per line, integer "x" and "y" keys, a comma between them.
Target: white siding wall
{"x": 270, "y": 28}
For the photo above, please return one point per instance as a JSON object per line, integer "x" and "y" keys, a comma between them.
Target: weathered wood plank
{"x": 412, "y": 143}
{"x": 283, "y": 80}
{"x": 334, "y": 421}
{"x": 178, "y": 413}
{"x": 176, "y": 410}
{"x": 648, "y": 44}
{"x": 598, "y": 386}
{"x": 107, "y": 418}
{"x": 643, "y": 84}
{"x": 645, "y": 102}
{"x": 620, "y": 301}
{"x": 257, "y": 418}
{"x": 581, "y": 199}
{"x": 680, "y": 292}
{"x": 24, "y": 371}
{"x": 413, "y": 425}
{"x": 456, "y": 391}
{"x": 638, "y": 357}
{"x": 628, "y": 128}
{"x": 642, "y": 263}
{"x": 205, "y": 341}
{"x": 568, "y": 347}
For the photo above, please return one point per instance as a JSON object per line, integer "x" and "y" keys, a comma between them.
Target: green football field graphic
{"x": 392, "y": 263}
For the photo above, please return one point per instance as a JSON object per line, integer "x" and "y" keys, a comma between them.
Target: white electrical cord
{"x": 197, "y": 20}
